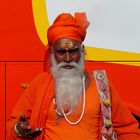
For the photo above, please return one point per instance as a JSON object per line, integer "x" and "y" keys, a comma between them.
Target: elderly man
{"x": 70, "y": 102}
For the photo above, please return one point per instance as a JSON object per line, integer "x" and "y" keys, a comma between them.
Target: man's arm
{"x": 124, "y": 123}
{"x": 24, "y": 105}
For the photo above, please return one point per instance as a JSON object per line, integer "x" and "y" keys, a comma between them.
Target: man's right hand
{"x": 23, "y": 129}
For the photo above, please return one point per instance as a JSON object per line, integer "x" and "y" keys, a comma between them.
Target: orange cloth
{"x": 35, "y": 104}
{"x": 67, "y": 26}
{"x": 87, "y": 129}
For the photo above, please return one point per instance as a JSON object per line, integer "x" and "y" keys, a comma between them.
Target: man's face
{"x": 66, "y": 50}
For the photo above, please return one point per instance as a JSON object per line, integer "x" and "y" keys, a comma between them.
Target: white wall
{"x": 114, "y": 24}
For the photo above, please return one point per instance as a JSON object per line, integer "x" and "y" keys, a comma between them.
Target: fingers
{"x": 34, "y": 132}
{"x": 24, "y": 130}
{"x": 22, "y": 117}
{"x": 24, "y": 126}
{"x": 23, "y": 123}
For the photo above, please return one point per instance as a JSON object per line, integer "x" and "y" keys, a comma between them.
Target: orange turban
{"x": 67, "y": 26}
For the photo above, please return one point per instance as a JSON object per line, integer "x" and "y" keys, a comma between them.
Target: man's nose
{"x": 68, "y": 58}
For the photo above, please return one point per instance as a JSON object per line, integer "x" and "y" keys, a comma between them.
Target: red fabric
{"x": 37, "y": 98}
{"x": 67, "y": 26}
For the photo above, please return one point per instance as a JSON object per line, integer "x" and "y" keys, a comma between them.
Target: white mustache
{"x": 72, "y": 64}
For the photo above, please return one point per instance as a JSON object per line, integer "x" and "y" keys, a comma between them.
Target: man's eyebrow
{"x": 74, "y": 48}
{"x": 59, "y": 49}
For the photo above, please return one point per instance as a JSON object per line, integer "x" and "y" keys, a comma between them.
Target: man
{"x": 68, "y": 102}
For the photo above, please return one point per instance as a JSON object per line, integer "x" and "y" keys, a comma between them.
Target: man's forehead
{"x": 66, "y": 43}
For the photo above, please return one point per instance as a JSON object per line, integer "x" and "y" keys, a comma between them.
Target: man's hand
{"x": 22, "y": 128}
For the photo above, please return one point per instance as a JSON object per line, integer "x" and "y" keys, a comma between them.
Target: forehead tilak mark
{"x": 68, "y": 44}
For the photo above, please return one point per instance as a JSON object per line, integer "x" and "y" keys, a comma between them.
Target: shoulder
{"x": 42, "y": 76}
{"x": 40, "y": 79}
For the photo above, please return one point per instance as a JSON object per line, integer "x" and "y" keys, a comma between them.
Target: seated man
{"x": 70, "y": 102}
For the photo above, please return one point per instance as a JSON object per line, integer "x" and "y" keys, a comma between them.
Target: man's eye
{"x": 61, "y": 52}
{"x": 74, "y": 50}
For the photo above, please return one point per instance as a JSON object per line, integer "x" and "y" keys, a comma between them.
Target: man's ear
{"x": 83, "y": 49}
{"x": 51, "y": 49}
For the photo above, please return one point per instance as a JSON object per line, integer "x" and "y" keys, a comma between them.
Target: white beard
{"x": 68, "y": 84}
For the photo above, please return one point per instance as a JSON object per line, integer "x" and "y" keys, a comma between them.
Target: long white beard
{"x": 68, "y": 84}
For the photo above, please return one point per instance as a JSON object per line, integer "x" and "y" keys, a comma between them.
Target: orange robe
{"x": 87, "y": 129}
{"x": 35, "y": 104}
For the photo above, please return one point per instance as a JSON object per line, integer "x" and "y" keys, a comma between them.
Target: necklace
{"x": 68, "y": 113}
{"x": 83, "y": 109}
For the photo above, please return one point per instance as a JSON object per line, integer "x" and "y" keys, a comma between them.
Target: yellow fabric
{"x": 87, "y": 129}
